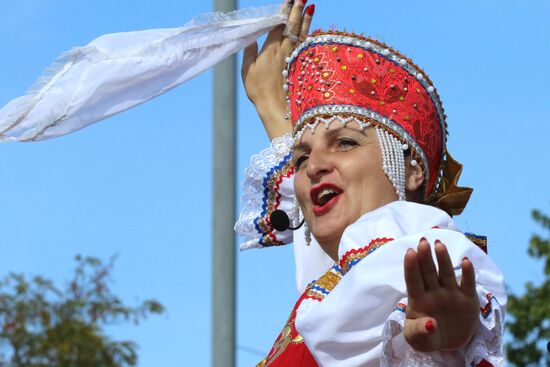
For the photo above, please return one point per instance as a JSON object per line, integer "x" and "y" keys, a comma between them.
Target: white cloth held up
{"x": 119, "y": 71}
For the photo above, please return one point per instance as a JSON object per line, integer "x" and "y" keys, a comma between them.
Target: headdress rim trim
{"x": 366, "y": 115}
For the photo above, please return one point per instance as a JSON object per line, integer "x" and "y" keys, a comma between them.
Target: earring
{"x": 307, "y": 234}
{"x": 296, "y": 209}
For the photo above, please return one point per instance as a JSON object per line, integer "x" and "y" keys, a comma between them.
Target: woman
{"x": 368, "y": 145}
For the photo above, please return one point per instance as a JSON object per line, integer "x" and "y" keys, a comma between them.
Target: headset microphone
{"x": 281, "y": 222}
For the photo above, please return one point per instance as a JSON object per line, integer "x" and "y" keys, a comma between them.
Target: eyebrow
{"x": 330, "y": 134}
{"x": 300, "y": 146}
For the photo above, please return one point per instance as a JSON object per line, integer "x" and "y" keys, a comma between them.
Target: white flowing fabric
{"x": 118, "y": 71}
{"x": 358, "y": 323}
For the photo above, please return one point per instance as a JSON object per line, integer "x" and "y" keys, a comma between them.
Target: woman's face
{"x": 339, "y": 177}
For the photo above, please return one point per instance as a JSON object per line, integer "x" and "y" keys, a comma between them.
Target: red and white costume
{"x": 354, "y": 313}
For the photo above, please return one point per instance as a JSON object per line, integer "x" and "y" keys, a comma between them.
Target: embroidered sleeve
{"x": 361, "y": 320}
{"x": 268, "y": 186}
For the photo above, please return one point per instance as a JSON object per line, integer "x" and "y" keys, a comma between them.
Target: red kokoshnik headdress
{"x": 351, "y": 76}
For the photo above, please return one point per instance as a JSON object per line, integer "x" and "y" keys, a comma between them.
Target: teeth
{"x": 324, "y": 193}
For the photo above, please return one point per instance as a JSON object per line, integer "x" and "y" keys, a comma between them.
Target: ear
{"x": 415, "y": 176}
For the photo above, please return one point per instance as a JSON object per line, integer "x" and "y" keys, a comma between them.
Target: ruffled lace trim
{"x": 486, "y": 343}
{"x": 258, "y": 190}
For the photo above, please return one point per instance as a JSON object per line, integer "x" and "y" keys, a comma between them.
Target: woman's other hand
{"x": 262, "y": 72}
{"x": 441, "y": 314}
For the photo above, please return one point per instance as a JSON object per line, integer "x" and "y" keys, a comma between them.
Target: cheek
{"x": 302, "y": 193}
{"x": 366, "y": 177}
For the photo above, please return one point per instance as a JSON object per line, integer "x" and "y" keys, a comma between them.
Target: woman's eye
{"x": 298, "y": 162}
{"x": 346, "y": 142}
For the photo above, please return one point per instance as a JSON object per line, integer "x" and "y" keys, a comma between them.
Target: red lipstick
{"x": 323, "y": 197}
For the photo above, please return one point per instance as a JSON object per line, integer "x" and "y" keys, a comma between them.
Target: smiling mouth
{"x": 323, "y": 197}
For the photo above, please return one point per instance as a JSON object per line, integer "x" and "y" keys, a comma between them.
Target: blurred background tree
{"x": 43, "y": 325}
{"x": 530, "y": 313}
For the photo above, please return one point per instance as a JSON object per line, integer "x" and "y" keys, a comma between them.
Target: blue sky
{"x": 139, "y": 184}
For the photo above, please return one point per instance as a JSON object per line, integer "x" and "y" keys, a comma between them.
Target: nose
{"x": 319, "y": 163}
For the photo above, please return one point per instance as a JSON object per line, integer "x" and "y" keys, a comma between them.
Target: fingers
{"x": 296, "y": 15}
{"x": 468, "y": 281}
{"x": 274, "y": 36}
{"x": 294, "y": 22}
{"x": 286, "y": 6}
{"x": 306, "y": 21}
{"x": 427, "y": 266}
{"x": 447, "y": 276}
{"x": 413, "y": 277}
{"x": 422, "y": 334}
{"x": 249, "y": 57}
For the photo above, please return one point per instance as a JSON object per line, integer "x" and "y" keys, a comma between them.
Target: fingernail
{"x": 310, "y": 9}
{"x": 465, "y": 258}
{"x": 304, "y": 2}
{"x": 429, "y": 325}
{"x": 423, "y": 239}
{"x": 437, "y": 241}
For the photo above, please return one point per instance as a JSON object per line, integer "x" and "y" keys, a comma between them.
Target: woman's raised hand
{"x": 441, "y": 314}
{"x": 262, "y": 72}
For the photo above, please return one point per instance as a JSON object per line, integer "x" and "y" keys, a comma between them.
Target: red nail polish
{"x": 304, "y": 2}
{"x": 423, "y": 239}
{"x": 429, "y": 325}
{"x": 310, "y": 10}
{"x": 465, "y": 258}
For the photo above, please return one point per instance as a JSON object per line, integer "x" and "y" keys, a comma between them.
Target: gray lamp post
{"x": 223, "y": 237}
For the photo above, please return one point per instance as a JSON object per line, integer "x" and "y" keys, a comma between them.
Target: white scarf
{"x": 118, "y": 71}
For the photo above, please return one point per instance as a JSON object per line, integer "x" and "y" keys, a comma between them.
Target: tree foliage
{"x": 530, "y": 325}
{"x": 43, "y": 325}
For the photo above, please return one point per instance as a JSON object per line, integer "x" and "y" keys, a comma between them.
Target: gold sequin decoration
{"x": 327, "y": 94}
{"x": 382, "y": 103}
{"x": 373, "y": 81}
{"x": 329, "y": 280}
{"x": 316, "y": 59}
{"x": 309, "y": 87}
{"x": 344, "y": 68}
{"x": 325, "y": 74}
{"x": 392, "y": 71}
{"x": 401, "y": 98}
{"x": 351, "y": 91}
{"x": 334, "y": 49}
{"x": 360, "y": 56}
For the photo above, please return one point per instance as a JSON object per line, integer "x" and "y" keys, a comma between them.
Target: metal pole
{"x": 223, "y": 237}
